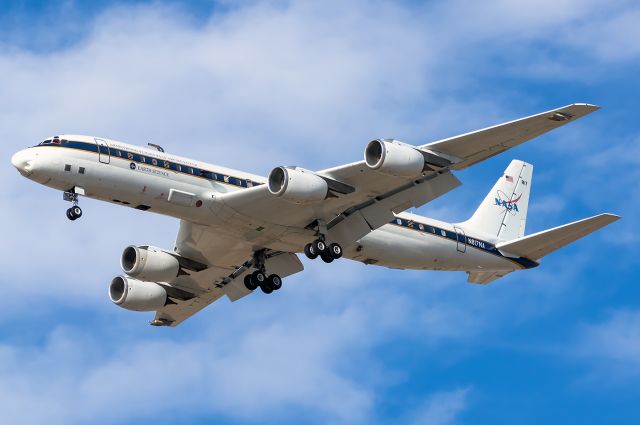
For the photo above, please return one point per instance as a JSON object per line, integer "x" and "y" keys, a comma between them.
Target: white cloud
{"x": 441, "y": 408}
{"x": 613, "y": 346}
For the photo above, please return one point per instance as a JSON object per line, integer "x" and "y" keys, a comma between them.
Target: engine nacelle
{"x": 149, "y": 264}
{"x": 394, "y": 158}
{"x": 297, "y": 185}
{"x": 137, "y": 295}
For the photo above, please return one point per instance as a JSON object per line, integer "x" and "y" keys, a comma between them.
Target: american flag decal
{"x": 509, "y": 178}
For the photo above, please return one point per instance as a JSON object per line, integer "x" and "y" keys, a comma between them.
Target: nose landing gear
{"x": 75, "y": 212}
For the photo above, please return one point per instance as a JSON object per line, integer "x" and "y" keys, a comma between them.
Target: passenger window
{"x": 67, "y": 167}
{"x": 81, "y": 170}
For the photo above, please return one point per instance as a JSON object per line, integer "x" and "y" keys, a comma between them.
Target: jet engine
{"x": 394, "y": 158}
{"x": 137, "y": 295}
{"x": 297, "y": 185}
{"x": 149, "y": 264}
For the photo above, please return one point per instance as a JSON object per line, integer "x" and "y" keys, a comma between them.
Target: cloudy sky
{"x": 253, "y": 85}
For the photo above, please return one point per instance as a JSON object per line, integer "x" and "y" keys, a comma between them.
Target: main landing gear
{"x": 319, "y": 248}
{"x": 259, "y": 278}
{"x": 75, "y": 212}
{"x": 267, "y": 284}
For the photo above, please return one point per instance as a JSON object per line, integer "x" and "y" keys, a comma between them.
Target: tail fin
{"x": 503, "y": 212}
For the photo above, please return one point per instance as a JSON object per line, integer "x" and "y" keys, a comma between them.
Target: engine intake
{"x": 297, "y": 185}
{"x": 137, "y": 295}
{"x": 149, "y": 264}
{"x": 394, "y": 158}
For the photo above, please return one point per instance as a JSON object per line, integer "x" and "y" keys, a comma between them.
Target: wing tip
{"x": 586, "y": 108}
{"x": 611, "y": 217}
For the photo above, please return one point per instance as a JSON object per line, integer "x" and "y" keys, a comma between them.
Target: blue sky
{"x": 253, "y": 85}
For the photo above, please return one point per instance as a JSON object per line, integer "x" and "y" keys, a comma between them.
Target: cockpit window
{"x": 46, "y": 142}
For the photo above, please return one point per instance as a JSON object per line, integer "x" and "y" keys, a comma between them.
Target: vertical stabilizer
{"x": 503, "y": 212}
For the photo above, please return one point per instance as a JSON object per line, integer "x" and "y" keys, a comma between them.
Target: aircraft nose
{"x": 22, "y": 161}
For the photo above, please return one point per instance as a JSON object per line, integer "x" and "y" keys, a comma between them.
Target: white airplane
{"x": 240, "y": 231}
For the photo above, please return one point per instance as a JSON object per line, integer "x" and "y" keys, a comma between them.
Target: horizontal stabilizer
{"x": 539, "y": 244}
{"x": 484, "y": 278}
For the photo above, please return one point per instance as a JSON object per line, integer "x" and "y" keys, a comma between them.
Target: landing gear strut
{"x": 259, "y": 278}
{"x": 75, "y": 212}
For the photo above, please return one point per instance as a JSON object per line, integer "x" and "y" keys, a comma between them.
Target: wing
{"x": 471, "y": 148}
{"x": 362, "y": 199}
{"x": 227, "y": 260}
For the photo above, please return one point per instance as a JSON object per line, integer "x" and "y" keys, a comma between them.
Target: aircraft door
{"x": 461, "y": 240}
{"x": 104, "y": 153}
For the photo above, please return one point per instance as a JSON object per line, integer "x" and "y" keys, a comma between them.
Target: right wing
{"x": 363, "y": 199}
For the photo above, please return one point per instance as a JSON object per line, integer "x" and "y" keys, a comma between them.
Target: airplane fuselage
{"x": 151, "y": 180}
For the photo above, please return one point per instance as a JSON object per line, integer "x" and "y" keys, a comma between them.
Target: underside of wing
{"x": 470, "y": 148}
{"x": 227, "y": 261}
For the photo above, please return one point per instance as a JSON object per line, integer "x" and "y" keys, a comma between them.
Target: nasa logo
{"x": 132, "y": 165}
{"x": 502, "y": 200}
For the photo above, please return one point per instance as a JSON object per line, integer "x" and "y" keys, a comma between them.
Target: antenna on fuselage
{"x": 153, "y": 145}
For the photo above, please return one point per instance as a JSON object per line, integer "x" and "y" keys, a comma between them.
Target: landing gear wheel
{"x": 326, "y": 257}
{"x": 266, "y": 288}
{"x": 76, "y": 211}
{"x": 249, "y": 283}
{"x": 274, "y": 281}
{"x": 70, "y": 215}
{"x": 258, "y": 278}
{"x": 319, "y": 246}
{"x": 335, "y": 250}
{"x": 310, "y": 252}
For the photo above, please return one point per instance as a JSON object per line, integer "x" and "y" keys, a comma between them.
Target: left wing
{"x": 227, "y": 260}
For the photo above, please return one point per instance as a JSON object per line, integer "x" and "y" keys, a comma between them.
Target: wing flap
{"x": 470, "y": 148}
{"x": 539, "y": 244}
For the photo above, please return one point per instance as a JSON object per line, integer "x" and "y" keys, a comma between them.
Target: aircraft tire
{"x": 258, "y": 278}
{"x": 326, "y": 257}
{"x": 310, "y": 252}
{"x": 319, "y": 246}
{"x": 249, "y": 283}
{"x": 76, "y": 211}
{"x": 266, "y": 288}
{"x": 335, "y": 250}
{"x": 274, "y": 281}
